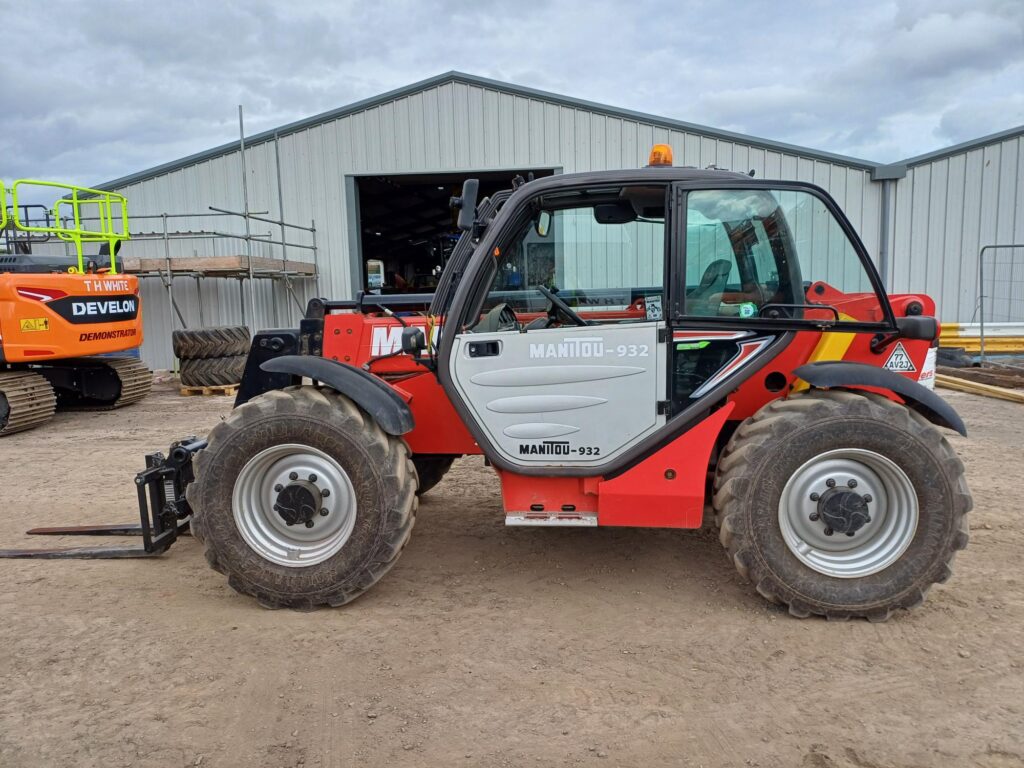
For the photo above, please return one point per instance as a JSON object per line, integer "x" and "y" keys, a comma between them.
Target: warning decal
{"x": 35, "y": 324}
{"x": 899, "y": 360}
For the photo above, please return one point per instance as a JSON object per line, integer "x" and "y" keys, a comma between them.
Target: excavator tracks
{"x": 127, "y": 381}
{"x": 136, "y": 380}
{"x": 26, "y": 401}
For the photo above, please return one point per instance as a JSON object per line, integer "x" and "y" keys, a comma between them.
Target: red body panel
{"x": 665, "y": 490}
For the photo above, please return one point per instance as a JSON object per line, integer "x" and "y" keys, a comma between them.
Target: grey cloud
{"x": 126, "y": 85}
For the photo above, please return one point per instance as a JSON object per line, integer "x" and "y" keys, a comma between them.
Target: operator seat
{"x": 712, "y": 284}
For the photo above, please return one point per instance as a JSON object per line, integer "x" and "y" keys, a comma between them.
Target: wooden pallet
{"x": 224, "y": 390}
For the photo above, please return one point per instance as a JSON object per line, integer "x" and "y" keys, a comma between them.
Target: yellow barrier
{"x": 955, "y": 335}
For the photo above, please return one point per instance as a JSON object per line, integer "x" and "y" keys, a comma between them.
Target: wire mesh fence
{"x": 1000, "y": 290}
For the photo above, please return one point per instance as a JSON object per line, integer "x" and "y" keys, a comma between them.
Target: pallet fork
{"x": 164, "y": 513}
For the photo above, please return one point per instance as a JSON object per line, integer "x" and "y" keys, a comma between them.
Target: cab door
{"x": 576, "y": 385}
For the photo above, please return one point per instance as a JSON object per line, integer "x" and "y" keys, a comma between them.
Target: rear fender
{"x": 371, "y": 394}
{"x": 830, "y": 374}
{"x": 276, "y": 361}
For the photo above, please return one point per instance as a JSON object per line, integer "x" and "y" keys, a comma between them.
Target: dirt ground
{"x": 489, "y": 646}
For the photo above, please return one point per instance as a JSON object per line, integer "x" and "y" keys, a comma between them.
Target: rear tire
{"x": 374, "y": 484}
{"x": 201, "y": 343}
{"x": 769, "y": 475}
{"x": 213, "y": 371}
{"x": 431, "y": 469}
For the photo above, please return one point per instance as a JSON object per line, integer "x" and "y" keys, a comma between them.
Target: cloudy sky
{"x": 91, "y": 91}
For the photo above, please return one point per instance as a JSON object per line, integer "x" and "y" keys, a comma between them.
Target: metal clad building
{"x": 940, "y": 208}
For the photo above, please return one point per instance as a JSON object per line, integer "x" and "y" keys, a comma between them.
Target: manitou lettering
{"x": 591, "y": 346}
{"x": 546, "y": 448}
{"x": 387, "y": 339}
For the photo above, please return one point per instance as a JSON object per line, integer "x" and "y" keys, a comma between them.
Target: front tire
{"x": 887, "y": 480}
{"x": 302, "y": 500}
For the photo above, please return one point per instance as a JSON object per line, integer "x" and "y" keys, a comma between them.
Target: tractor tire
{"x": 430, "y": 470}
{"x": 203, "y": 343}
{"x": 278, "y": 449}
{"x": 212, "y": 371}
{"x": 787, "y": 475}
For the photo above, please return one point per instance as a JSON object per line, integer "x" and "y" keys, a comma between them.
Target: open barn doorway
{"x": 407, "y": 229}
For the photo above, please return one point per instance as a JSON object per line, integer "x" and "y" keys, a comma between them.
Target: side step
{"x": 553, "y": 519}
{"x": 164, "y": 513}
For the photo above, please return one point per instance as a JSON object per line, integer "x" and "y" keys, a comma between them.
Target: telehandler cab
{"x": 625, "y": 348}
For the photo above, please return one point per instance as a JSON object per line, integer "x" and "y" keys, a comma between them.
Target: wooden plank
{"x": 976, "y": 388}
{"x": 995, "y": 377}
{"x": 214, "y": 264}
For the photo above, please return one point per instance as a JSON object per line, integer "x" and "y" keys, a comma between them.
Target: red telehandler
{"x": 625, "y": 348}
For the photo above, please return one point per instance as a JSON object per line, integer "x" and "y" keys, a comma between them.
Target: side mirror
{"x": 466, "y": 205}
{"x": 414, "y": 341}
{"x": 542, "y": 223}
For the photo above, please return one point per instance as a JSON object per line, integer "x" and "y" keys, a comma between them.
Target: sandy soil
{"x": 485, "y": 645}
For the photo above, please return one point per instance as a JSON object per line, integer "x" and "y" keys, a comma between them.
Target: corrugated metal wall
{"x": 455, "y": 126}
{"x": 942, "y": 214}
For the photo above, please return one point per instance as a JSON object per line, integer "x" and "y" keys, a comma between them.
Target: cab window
{"x": 601, "y": 251}
{"x": 772, "y": 254}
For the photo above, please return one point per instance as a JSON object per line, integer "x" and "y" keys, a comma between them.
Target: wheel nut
{"x": 814, "y": 517}
{"x": 867, "y": 520}
{"x": 324, "y": 512}
{"x": 309, "y": 523}
{"x": 815, "y": 496}
{"x": 277, "y": 507}
{"x": 830, "y": 483}
{"x": 849, "y": 533}
{"x": 851, "y": 483}
{"x": 312, "y": 478}
{"x": 293, "y": 475}
{"x": 829, "y": 531}
{"x": 868, "y": 498}
{"x": 278, "y": 488}
{"x": 325, "y": 492}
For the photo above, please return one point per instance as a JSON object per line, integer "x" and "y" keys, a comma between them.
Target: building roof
{"x": 879, "y": 170}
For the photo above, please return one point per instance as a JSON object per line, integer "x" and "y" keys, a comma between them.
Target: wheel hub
{"x": 843, "y": 510}
{"x": 848, "y": 513}
{"x": 294, "y": 505}
{"x": 298, "y": 503}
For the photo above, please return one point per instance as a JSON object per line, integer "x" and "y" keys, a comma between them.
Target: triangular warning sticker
{"x": 899, "y": 360}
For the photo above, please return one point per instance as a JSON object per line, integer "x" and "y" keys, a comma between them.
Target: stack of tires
{"x": 212, "y": 357}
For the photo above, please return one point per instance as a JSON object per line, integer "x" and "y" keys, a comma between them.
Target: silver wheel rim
{"x": 893, "y": 509}
{"x": 266, "y": 532}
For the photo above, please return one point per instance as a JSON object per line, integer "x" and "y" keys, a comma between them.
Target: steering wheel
{"x": 560, "y": 306}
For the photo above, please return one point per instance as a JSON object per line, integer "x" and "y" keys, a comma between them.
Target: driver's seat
{"x": 712, "y": 283}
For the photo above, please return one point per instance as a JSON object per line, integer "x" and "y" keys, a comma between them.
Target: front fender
{"x": 921, "y": 399}
{"x": 364, "y": 389}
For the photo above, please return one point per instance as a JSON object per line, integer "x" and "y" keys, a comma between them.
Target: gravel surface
{"x": 486, "y": 645}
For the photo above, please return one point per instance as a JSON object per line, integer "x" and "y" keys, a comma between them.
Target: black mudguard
{"x": 920, "y": 398}
{"x": 364, "y": 389}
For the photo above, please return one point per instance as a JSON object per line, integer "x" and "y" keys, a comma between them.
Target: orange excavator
{"x": 68, "y": 320}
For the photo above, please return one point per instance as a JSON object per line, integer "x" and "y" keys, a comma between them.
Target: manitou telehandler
{"x": 65, "y": 316}
{"x": 624, "y": 348}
